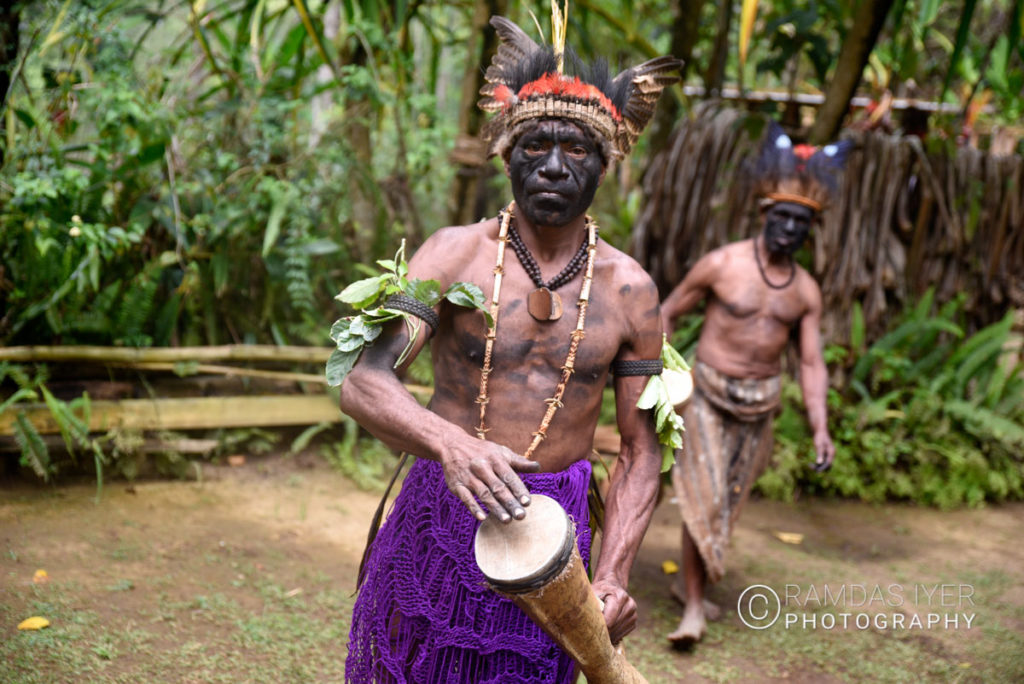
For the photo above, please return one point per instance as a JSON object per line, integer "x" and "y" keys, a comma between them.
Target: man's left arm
{"x": 633, "y": 490}
{"x": 814, "y": 380}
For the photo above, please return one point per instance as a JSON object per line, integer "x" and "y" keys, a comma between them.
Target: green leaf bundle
{"x": 352, "y": 334}
{"x": 658, "y": 398}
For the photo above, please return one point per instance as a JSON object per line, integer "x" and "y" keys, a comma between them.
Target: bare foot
{"x": 711, "y": 610}
{"x": 690, "y": 630}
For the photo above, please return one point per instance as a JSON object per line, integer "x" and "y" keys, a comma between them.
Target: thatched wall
{"x": 907, "y": 218}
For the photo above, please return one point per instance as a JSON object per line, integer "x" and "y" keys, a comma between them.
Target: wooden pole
{"x": 192, "y": 413}
{"x": 226, "y": 370}
{"x": 227, "y": 352}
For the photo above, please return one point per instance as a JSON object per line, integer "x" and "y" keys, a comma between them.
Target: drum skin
{"x": 525, "y": 560}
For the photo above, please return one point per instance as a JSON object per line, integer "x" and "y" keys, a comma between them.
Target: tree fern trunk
{"x": 853, "y": 56}
{"x": 469, "y": 155}
{"x": 715, "y": 76}
{"x": 685, "y": 29}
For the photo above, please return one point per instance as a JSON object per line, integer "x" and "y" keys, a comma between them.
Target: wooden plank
{"x": 148, "y": 446}
{"x": 191, "y": 413}
{"x": 227, "y": 352}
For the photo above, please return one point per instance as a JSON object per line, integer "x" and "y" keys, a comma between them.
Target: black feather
{"x": 826, "y": 168}
{"x": 529, "y": 69}
{"x": 776, "y": 160}
{"x": 599, "y": 75}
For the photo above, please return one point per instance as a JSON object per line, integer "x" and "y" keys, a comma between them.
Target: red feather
{"x": 556, "y": 84}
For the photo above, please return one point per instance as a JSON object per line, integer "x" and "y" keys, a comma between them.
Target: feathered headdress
{"x": 525, "y": 82}
{"x": 801, "y": 174}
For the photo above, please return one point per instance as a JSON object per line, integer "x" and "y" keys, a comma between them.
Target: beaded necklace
{"x": 544, "y": 304}
{"x": 554, "y": 402}
{"x": 764, "y": 276}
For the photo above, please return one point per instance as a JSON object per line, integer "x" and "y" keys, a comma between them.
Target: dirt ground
{"x": 247, "y": 576}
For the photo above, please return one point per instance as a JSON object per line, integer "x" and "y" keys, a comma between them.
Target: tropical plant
{"x": 189, "y": 174}
{"x": 71, "y": 417}
{"x": 931, "y": 416}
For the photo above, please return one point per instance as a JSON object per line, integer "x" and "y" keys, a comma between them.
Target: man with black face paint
{"x": 756, "y": 295}
{"x": 516, "y": 402}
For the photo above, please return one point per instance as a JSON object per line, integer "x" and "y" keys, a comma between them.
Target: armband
{"x": 411, "y": 305}
{"x": 626, "y": 367}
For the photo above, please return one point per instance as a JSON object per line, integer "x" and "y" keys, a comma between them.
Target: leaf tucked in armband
{"x": 668, "y": 423}
{"x": 362, "y": 293}
{"x": 469, "y": 296}
{"x": 339, "y": 364}
{"x": 649, "y": 397}
{"x": 352, "y": 333}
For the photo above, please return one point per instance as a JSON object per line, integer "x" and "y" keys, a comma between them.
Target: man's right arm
{"x": 375, "y": 397}
{"x": 689, "y": 293}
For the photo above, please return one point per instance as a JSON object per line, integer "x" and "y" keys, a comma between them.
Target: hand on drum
{"x": 486, "y": 472}
{"x": 619, "y": 609}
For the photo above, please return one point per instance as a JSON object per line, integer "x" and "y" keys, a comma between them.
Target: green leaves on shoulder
{"x": 369, "y": 295}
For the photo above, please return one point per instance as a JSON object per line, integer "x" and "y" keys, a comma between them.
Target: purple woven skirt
{"x": 425, "y": 615}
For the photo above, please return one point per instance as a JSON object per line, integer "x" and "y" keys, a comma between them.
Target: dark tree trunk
{"x": 467, "y": 201}
{"x": 715, "y": 76}
{"x": 360, "y": 116}
{"x": 685, "y": 29}
{"x": 853, "y": 56}
{"x": 9, "y": 39}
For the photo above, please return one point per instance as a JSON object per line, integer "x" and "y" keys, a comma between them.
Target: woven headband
{"x": 771, "y": 198}
{"x": 525, "y": 82}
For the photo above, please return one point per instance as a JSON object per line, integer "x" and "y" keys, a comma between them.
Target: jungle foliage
{"x": 195, "y": 172}
{"x": 175, "y": 175}
{"x": 930, "y": 415}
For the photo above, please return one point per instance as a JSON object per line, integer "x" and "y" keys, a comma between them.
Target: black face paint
{"x": 555, "y": 169}
{"x": 786, "y": 226}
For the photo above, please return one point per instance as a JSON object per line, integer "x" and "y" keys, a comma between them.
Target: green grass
{"x": 213, "y": 597}
{"x": 205, "y": 638}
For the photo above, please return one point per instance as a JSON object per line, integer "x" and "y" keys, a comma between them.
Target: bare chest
{"x": 524, "y": 347}
{"x": 748, "y": 298}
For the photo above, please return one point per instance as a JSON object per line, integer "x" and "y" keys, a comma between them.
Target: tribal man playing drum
{"x": 515, "y": 406}
{"x": 756, "y": 297}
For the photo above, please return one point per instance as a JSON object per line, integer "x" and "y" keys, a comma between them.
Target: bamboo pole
{"x": 226, "y": 370}
{"x": 227, "y": 352}
{"x": 193, "y": 413}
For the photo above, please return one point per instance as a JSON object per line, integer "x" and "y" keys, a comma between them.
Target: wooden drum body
{"x": 535, "y": 562}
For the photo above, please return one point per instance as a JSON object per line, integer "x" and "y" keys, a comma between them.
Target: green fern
{"x": 298, "y": 267}
{"x": 906, "y": 331}
{"x": 998, "y": 330}
{"x": 986, "y": 347}
{"x": 987, "y": 424}
{"x": 135, "y": 309}
{"x": 857, "y": 329}
{"x": 34, "y": 453}
{"x": 929, "y": 416}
